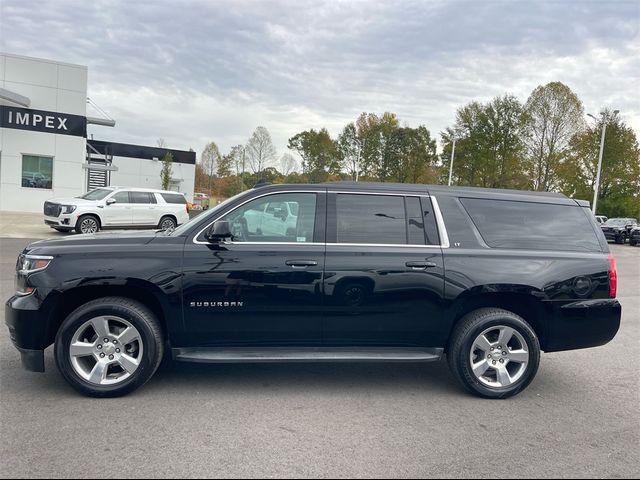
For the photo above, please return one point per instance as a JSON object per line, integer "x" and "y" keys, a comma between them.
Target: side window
{"x": 174, "y": 198}
{"x": 533, "y": 226}
{"x": 373, "y": 219}
{"x": 415, "y": 221}
{"x": 121, "y": 197}
{"x": 267, "y": 219}
{"x": 141, "y": 197}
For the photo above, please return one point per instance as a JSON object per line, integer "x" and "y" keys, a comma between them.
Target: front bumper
{"x": 612, "y": 235}
{"x": 63, "y": 221}
{"x": 27, "y": 330}
{"x": 583, "y": 324}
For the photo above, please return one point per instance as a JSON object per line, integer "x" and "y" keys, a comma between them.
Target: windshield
{"x": 617, "y": 221}
{"x": 97, "y": 194}
{"x": 211, "y": 213}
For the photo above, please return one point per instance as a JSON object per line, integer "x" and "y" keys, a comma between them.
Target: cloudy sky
{"x": 192, "y": 72}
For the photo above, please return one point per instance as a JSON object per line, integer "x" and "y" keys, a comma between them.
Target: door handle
{"x": 301, "y": 263}
{"x": 421, "y": 265}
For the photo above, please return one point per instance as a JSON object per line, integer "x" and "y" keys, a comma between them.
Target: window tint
{"x": 142, "y": 197}
{"x": 370, "y": 219}
{"x": 174, "y": 198}
{"x": 267, "y": 219}
{"x": 535, "y": 226}
{"x": 415, "y": 221}
{"x": 121, "y": 197}
{"x": 430, "y": 224}
{"x": 97, "y": 194}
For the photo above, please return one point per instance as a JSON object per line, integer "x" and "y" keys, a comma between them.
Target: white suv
{"x": 117, "y": 207}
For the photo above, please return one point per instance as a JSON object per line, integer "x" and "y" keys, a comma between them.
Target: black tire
{"x": 133, "y": 312}
{"x": 633, "y": 242}
{"x": 470, "y": 327}
{"x": 167, "y": 222}
{"x": 84, "y": 220}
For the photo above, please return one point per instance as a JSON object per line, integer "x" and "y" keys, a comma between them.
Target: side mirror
{"x": 111, "y": 201}
{"x": 220, "y": 230}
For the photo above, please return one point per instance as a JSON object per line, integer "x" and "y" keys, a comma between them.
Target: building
{"x": 44, "y": 151}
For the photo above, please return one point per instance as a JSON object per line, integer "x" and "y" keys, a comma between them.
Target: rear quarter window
{"x": 174, "y": 198}
{"x": 532, "y": 226}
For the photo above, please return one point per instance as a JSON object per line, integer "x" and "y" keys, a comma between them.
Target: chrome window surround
{"x": 442, "y": 229}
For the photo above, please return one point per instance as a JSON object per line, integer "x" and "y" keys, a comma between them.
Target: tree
{"x": 288, "y": 164}
{"x": 209, "y": 160}
{"x": 619, "y": 193}
{"x": 349, "y": 147}
{"x": 553, "y": 115}
{"x": 167, "y": 170}
{"x": 319, "y": 152}
{"x": 489, "y": 146}
{"x": 260, "y": 151}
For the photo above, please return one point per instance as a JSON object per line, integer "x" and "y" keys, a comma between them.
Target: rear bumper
{"x": 27, "y": 330}
{"x": 583, "y": 324}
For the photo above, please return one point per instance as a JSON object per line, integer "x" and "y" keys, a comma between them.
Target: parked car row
{"x": 619, "y": 230}
{"x": 117, "y": 207}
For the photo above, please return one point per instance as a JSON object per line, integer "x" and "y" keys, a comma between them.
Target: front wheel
{"x": 633, "y": 242}
{"x": 493, "y": 353}
{"x": 109, "y": 347}
{"x": 87, "y": 224}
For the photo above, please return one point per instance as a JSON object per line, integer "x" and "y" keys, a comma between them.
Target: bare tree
{"x": 260, "y": 152}
{"x": 553, "y": 114}
{"x": 209, "y": 160}
{"x": 288, "y": 164}
{"x": 161, "y": 143}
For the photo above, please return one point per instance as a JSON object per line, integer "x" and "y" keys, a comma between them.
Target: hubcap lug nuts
{"x": 102, "y": 355}
{"x": 492, "y": 349}
{"x": 504, "y": 353}
{"x": 117, "y": 350}
{"x": 494, "y": 362}
{"x": 110, "y": 357}
{"x": 499, "y": 347}
{"x": 115, "y": 342}
{"x": 502, "y": 360}
{"x": 99, "y": 347}
{"x": 106, "y": 340}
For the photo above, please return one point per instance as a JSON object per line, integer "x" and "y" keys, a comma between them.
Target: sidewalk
{"x": 25, "y": 225}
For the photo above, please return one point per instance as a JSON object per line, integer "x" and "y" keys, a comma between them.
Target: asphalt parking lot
{"x": 579, "y": 418}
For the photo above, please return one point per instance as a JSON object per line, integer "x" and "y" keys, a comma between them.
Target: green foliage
{"x": 320, "y": 154}
{"x": 167, "y": 170}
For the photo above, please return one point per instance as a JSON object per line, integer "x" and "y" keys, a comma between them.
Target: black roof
{"x": 478, "y": 192}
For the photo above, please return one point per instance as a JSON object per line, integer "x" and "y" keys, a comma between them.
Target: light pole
{"x": 453, "y": 152}
{"x": 596, "y": 189}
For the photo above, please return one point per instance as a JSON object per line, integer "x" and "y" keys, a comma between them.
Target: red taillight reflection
{"x": 613, "y": 277}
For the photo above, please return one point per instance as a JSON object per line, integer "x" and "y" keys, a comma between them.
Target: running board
{"x": 308, "y": 354}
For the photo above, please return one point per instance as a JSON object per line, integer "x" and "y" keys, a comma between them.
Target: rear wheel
{"x": 494, "y": 353}
{"x": 87, "y": 224}
{"x": 109, "y": 347}
{"x": 167, "y": 223}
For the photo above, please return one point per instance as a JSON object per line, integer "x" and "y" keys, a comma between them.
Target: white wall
{"x": 52, "y": 86}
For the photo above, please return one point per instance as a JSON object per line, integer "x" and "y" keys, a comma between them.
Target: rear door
{"x": 144, "y": 208}
{"x": 384, "y": 271}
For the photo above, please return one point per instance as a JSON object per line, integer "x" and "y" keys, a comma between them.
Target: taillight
{"x": 613, "y": 277}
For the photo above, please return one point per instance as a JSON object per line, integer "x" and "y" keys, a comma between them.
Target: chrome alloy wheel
{"x": 89, "y": 225}
{"x": 106, "y": 350}
{"x": 167, "y": 223}
{"x": 499, "y": 357}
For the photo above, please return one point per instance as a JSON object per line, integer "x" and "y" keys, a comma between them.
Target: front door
{"x": 384, "y": 273}
{"x": 119, "y": 213}
{"x": 265, "y": 285}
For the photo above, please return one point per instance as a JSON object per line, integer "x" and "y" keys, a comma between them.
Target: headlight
{"x": 68, "y": 208}
{"x": 32, "y": 263}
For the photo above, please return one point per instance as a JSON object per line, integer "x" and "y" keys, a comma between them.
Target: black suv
{"x": 326, "y": 273}
{"x": 618, "y": 229}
